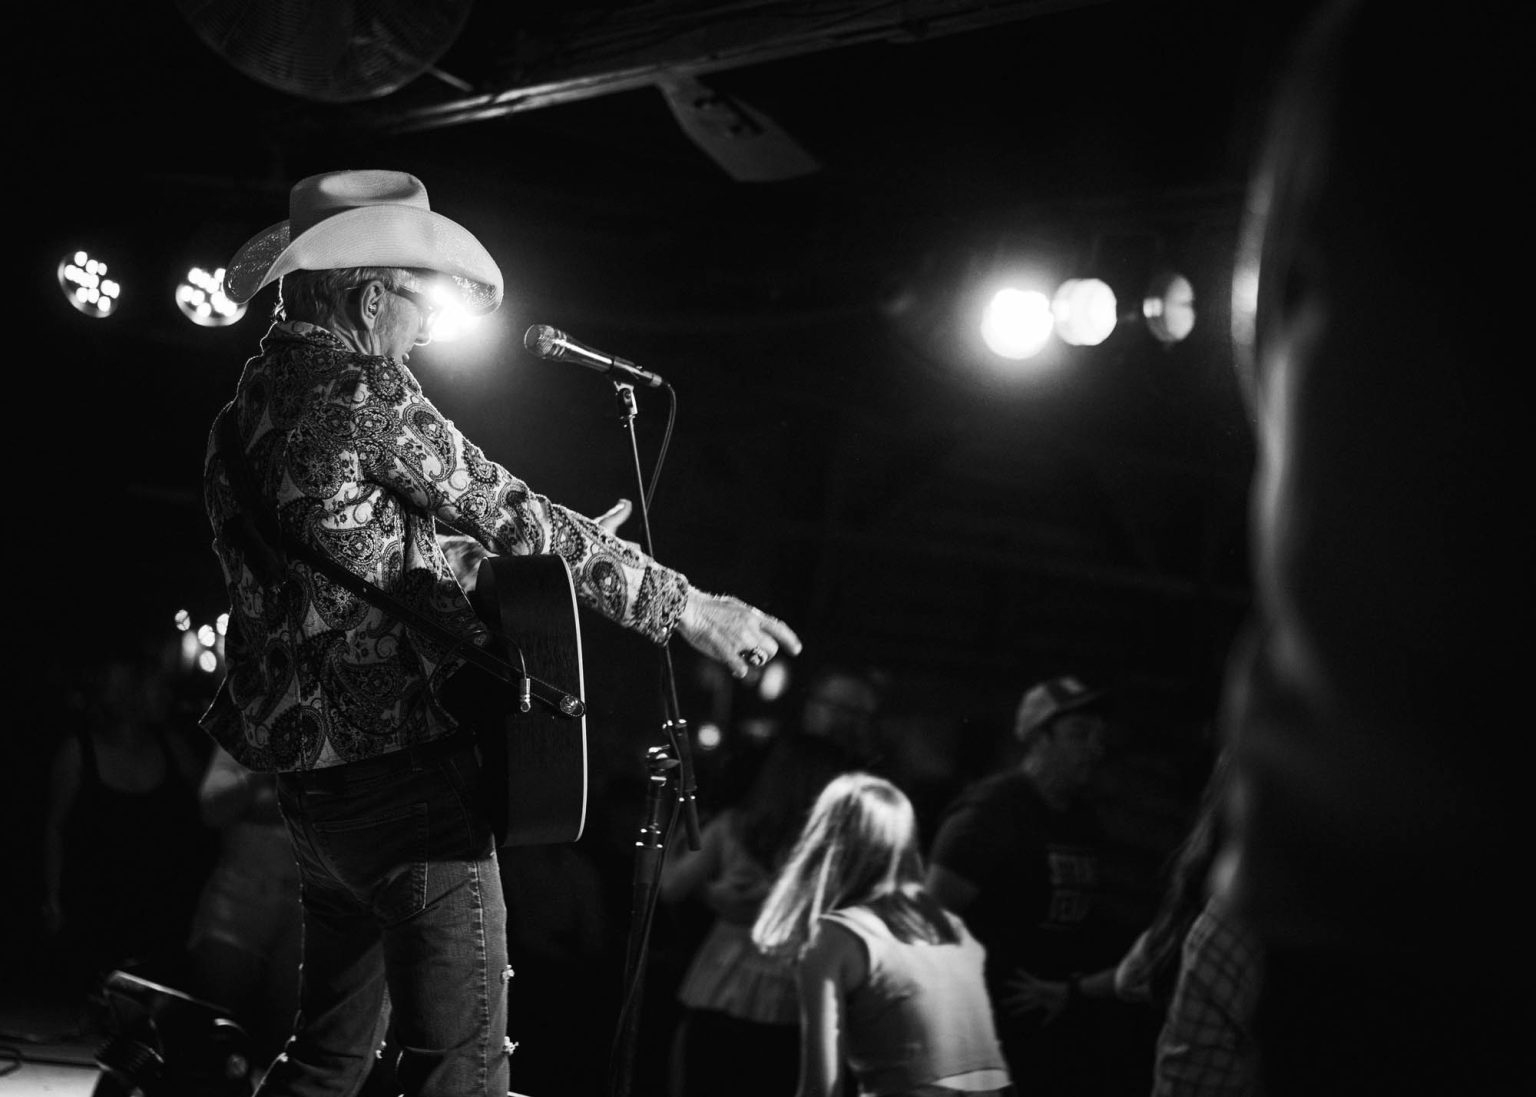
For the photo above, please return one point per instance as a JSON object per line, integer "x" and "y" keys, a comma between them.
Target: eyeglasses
{"x": 429, "y": 310}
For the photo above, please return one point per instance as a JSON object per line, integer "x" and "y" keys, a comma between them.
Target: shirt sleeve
{"x": 403, "y": 444}
{"x": 966, "y": 843}
{"x": 1204, "y": 1049}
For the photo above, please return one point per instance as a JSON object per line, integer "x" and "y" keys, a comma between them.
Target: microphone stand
{"x": 673, "y": 762}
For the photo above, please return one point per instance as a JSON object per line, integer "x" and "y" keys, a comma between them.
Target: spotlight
{"x": 1017, "y": 323}
{"x": 1084, "y": 311}
{"x": 1169, "y": 308}
{"x": 83, "y": 278}
{"x": 201, "y": 299}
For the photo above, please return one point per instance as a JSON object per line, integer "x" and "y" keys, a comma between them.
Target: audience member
{"x": 890, "y": 983}
{"x": 1374, "y": 704}
{"x": 739, "y": 1005}
{"x": 1206, "y": 1047}
{"x": 244, "y": 946}
{"x": 1195, "y": 964}
{"x": 124, "y": 851}
{"x": 1017, "y": 857}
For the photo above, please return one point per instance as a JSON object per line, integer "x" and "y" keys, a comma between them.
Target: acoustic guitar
{"x": 532, "y": 730}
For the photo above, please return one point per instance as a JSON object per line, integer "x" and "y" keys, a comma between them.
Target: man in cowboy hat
{"x": 341, "y": 699}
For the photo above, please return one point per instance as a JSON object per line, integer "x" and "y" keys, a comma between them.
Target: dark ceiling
{"x": 842, "y": 452}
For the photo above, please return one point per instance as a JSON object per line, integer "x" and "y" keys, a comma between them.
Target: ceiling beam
{"x": 636, "y": 45}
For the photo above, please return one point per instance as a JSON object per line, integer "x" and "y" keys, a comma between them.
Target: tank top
{"x": 134, "y": 860}
{"x": 922, "y": 1014}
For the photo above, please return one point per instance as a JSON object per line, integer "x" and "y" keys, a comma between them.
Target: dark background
{"x": 845, "y": 454}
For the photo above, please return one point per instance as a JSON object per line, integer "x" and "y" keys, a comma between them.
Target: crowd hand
{"x": 1024, "y": 994}
{"x": 731, "y": 632}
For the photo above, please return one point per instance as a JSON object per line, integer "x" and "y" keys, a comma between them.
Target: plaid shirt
{"x": 358, "y": 463}
{"x": 1205, "y": 1048}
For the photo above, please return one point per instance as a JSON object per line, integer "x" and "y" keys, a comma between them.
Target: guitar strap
{"x": 267, "y": 549}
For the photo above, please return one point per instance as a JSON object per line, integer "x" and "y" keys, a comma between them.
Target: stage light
{"x": 201, "y": 299}
{"x": 1084, "y": 311}
{"x": 207, "y": 662}
{"x": 183, "y": 620}
{"x": 190, "y": 649}
{"x": 451, "y": 320}
{"x": 1169, "y": 308}
{"x": 1017, "y": 323}
{"x": 709, "y": 736}
{"x": 83, "y": 278}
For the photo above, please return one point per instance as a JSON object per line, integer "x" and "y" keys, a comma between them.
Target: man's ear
{"x": 370, "y": 299}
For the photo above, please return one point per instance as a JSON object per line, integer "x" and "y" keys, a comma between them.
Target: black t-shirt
{"x": 1036, "y": 870}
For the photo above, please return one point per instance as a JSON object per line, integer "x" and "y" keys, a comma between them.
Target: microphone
{"x": 554, "y": 344}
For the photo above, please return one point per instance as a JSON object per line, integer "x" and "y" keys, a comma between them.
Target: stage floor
{"x": 44, "y": 1049}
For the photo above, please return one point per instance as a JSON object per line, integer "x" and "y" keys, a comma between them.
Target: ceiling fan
{"x": 329, "y": 51}
{"x": 349, "y": 51}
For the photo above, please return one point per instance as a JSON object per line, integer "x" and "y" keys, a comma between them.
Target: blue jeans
{"x": 401, "y": 893}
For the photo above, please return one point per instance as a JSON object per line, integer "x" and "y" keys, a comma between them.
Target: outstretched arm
{"x": 719, "y": 626}
{"x": 731, "y": 632}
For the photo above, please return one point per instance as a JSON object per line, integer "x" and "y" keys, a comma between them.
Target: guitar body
{"x": 534, "y": 764}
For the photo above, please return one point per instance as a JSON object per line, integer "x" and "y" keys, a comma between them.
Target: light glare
{"x": 200, "y": 297}
{"x": 1017, "y": 323}
{"x": 1169, "y": 307}
{"x": 774, "y": 682}
{"x": 1084, "y": 311}
{"x": 80, "y": 279}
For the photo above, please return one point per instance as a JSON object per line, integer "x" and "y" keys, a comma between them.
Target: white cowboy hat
{"x": 364, "y": 219}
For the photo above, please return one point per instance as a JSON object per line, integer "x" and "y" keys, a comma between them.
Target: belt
{"x": 380, "y": 765}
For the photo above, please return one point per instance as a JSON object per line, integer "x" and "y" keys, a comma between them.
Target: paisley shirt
{"x": 359, "y": 463}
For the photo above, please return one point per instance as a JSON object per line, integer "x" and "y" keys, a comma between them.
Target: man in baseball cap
{"x": 1017, "y": 855}
{"x": 1052, "y": 698}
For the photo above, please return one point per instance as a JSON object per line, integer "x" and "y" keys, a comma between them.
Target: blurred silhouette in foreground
{"x": 1371, "y": 705}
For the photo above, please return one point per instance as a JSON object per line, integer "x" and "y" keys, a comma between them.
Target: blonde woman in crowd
{"x": 890, "y": 982}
